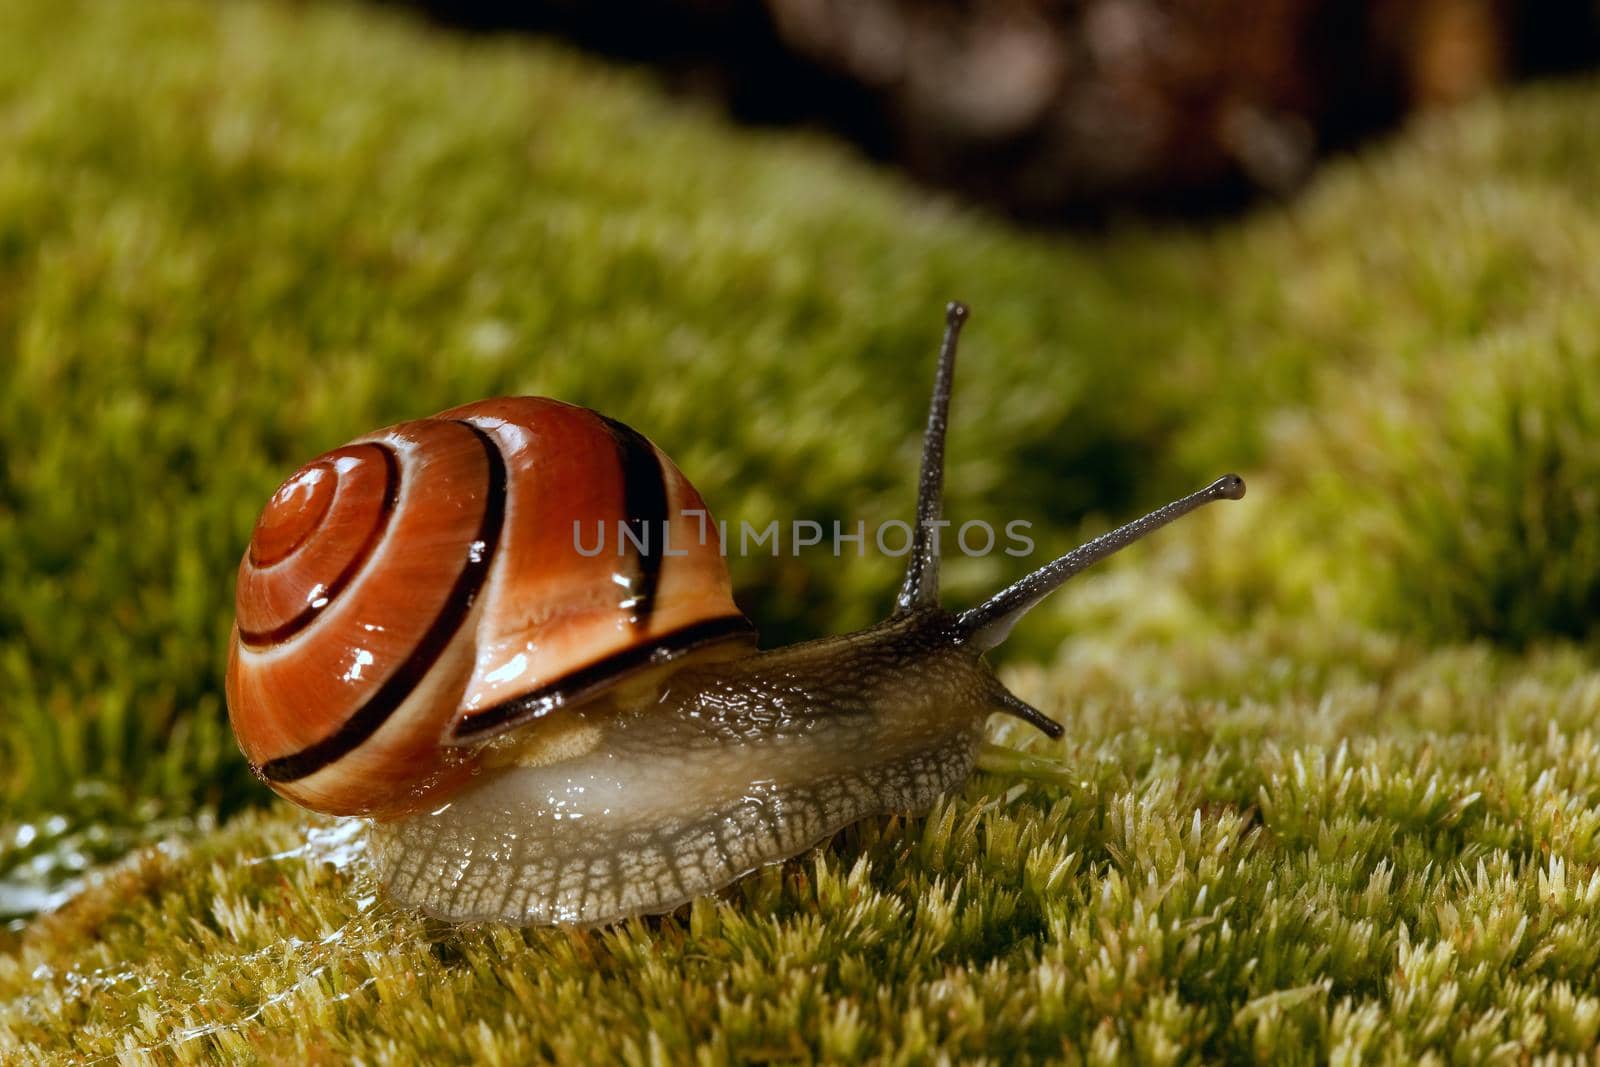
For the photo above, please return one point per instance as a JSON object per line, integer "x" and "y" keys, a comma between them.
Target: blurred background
{"x": 1350, "y": 249}
{"x": 1055, "y": 111}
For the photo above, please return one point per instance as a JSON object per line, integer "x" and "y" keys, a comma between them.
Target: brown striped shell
{"x": 438, "y": 582}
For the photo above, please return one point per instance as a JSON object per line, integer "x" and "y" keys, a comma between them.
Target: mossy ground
{"x": 1331, "y": 783}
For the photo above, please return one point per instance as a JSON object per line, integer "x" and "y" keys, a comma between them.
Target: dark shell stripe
{"x": 261, "y": 640}
{"x": 371, "y": 716}
{"x": 645, "y": 501}
{"x": 581, "y": 683}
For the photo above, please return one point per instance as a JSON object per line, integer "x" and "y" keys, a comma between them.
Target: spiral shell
{"x": 438, "y": 582}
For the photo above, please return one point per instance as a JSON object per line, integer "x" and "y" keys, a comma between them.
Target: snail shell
{"x": 422, "y": 588}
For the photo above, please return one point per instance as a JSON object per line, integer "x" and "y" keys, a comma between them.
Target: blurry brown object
{"x": 1055, "y": 110}
{"x": 1046, "y": 107}
{"x": 1043, "y": 107}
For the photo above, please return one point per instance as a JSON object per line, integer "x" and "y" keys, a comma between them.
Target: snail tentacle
{"x": 990, "y": 623}
{"x": 921, "y": 588}
{"x": 1011, "y": 704}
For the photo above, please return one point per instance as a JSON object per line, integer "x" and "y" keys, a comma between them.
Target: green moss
{"x": 1395, "y": 853}
{"x": 1463, "y": 499}
{"x": 1298, "y": 813}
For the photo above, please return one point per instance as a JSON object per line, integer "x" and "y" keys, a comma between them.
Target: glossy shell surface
{"x": 443, "y": 580}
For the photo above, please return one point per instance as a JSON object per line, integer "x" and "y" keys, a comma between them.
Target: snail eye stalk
{"x": 921, "y": 588}
{"x": 990, "y": 623}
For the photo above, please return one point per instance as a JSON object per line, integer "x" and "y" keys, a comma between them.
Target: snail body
{"x": 643, "y": 804}
{"x": 544, "y": 736}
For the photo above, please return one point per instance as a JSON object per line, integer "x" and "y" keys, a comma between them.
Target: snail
{"x": 545, "y": 734}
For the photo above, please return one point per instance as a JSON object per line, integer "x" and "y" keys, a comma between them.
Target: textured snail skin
{"x": 636, "y": 808}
